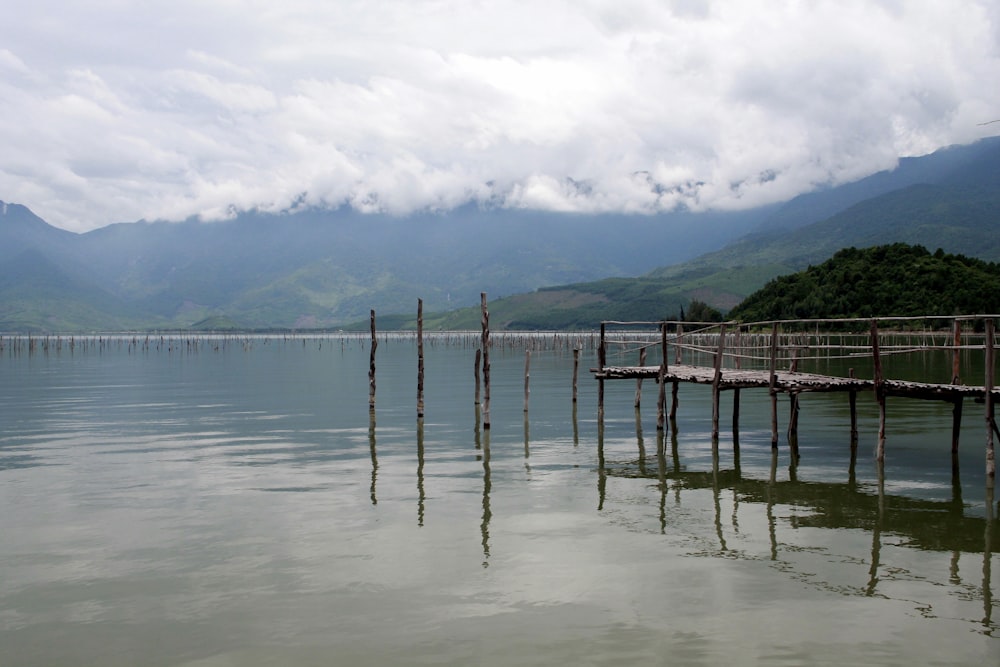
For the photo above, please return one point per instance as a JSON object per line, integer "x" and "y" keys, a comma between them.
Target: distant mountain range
{"x": 326, "y": 269}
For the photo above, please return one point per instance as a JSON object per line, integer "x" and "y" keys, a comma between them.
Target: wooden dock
{"x": 774, "y": 350}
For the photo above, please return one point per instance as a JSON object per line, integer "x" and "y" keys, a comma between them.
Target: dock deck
{"x": 792, "y": 382}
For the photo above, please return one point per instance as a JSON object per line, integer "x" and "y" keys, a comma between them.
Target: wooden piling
{"x": 879, "y": 391}
{"x": 716, "y": 387}
{"x": 527, "y": 376}
{"x": 956, "y": 354}
{"x": 601, "y": 360}
{"x": 638, "y": 382}
{"x": 371, "y": 365}
{"x": 736, "y": 392}
{"x": 988, "y": 386}
{"x": 956, "y": 423}
{"x": 420, "y": 358}
{"x": 661, "y": 400}
{"x": 576, "y": 371}
{"x": 773, "y": 386}
{"x": 853, "y": 402}
{"x": 486, "y": 361}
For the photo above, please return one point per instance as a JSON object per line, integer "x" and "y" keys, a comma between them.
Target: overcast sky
{"x": 117, "y": 110}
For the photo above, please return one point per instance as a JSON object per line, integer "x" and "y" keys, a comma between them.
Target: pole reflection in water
{"x": 914, "y": 523}
{"x": 484, "y": 525}
{"x": 527, "y": 450}
{"x": 772, "y": 527}
{"x": 675, "y": 455}
{"x": 661, "y": 469}
{"x": 987, "y": 558}
{"x": 640, "y": 442}
{"x": 371, "y": 447}
{"x": 420, "y": 472}
{"x": 602, "y": 473}
{"x": 576, "y": 428}
{"x": 877, "y": 533}
{"x": 716, "y": 494}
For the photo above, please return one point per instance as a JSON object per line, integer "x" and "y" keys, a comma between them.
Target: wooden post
{"x": 576, "y": 370}
{"x": 853, "y": 400}
{"x": 773, "y": 386}
{"x": 479, "y": 361}
{"x": 956, "y": 423}
{"x": 879, "y": 392}
{"x": 661, "y": 400}
{"x": 991, "y": 470}
{"x": 736, "y": 392}
{"x": 420, "y": 358}
{"x": 486, "y": 361}
{"x": 601, "y": 358}
{"x": 638, "y": 382}
{"x": 956, "y": 356}
{"x": 677, "y": 348}
{"x": 716, "y": 383}
{"x": 793, "y": 417}
{"x": 371, "y": 366}
{"x": 677, "y": 360}
{"x": 527, "y": 375}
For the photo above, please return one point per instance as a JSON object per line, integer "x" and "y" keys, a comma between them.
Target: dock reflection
{"x": 891, "y": 519}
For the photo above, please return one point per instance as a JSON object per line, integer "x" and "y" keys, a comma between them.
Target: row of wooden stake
{"x": 482, "y": 365}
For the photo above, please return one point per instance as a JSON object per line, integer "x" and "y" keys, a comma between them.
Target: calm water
{"x": 234, "y": 505}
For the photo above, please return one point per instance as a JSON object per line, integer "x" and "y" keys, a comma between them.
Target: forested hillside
{"x": 887, "y": 280}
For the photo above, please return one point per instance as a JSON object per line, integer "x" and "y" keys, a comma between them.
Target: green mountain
{"x": 327, "y": 269}
{"x": 959, "y": 214}
{"x": 897, "y": 280}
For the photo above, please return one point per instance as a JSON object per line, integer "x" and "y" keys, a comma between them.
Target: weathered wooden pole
{"x": 774, "y": 385}
{"x": 479, "y": 360}
{"x": 793, "y": 417}
{"x": 956, "y": 356}
{"x": 638, "y": 382}
{"x": 736, "y": 392}
{"x": 956, "y": 423}
{"x": 576, "y": 370}
{"x": 991, "y": 469}
{"x": 371, "y": 365}
{"x": 853, "y": 402}
{"x": 527, "y": 376}
{"x": 486, "y": 361}
{"x": 420, "y": 358}
{"x": 716, "y": 385}
{"x": 677, "y": 360}
{"x": 879, "y": 392}
{"x": 601, "y": 359}
{"x": 661, "y": 400}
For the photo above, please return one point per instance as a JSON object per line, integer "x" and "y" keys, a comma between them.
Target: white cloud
{"x": 126, "y": 110}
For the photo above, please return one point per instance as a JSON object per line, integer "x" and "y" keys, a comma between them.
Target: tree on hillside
{"x": 699, "y": 311}
{"x": 896, "y": 279}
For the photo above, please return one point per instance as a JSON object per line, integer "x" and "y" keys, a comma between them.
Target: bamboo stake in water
{"x": 638, "y": 382}
{"x": 420, "y": 358}
{"x": 371, "y": 367}
{"x": 486, "y": 361}
{"x": 991, "y": 469}
{"x": 527, "y": 375}
{"x": 576, "y": 369}
{"x": 879, "y": 392}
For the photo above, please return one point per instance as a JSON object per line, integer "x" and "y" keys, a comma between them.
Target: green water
{"x": 235, "y": 505}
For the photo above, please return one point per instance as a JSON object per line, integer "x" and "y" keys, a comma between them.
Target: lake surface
{"x": 229, "y": 502}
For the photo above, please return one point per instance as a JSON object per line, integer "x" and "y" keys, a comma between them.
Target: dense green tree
{"x": 699, "y": 311}
{"x": 888, "y": 280}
